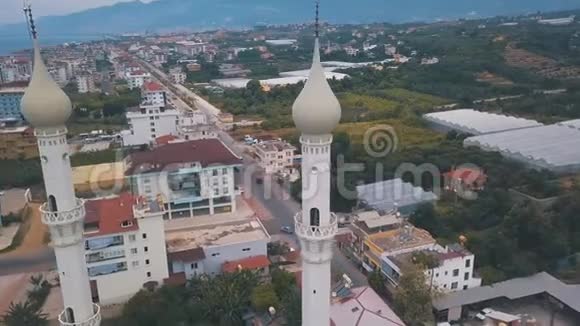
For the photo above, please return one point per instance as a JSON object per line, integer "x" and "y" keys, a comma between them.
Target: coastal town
{"x": 188, "y": 158}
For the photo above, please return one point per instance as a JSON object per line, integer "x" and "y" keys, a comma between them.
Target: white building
{"x": 453, "y": 271}
{"x": 191, "y": 178}
{"x": 212, "y": 247}
{"x": 136, "y": 79}
{"x": 194, "y": 126}
{"x": 153, "y": 118}
{"x": 46, "y": 107}
{"x": 177, "y": 75}
{"x": 316, "y": 113}
{"x": 190, "y": 48}
{"x": 85, "y": 83}
{"x": 275, "y": 156}
{"x": 125, "y": 247}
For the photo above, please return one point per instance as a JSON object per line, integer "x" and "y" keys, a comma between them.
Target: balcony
{"x": 323, "y": 232}
{"x": 95, "y": 320}
{"x": 102, "y": 243}
{"x": 63, "y": 217}
{"x": 100, "y": 256}
{"x": 107, "y": 269}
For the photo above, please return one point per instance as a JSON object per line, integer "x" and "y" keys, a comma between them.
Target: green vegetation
{"x": 20, "y": 173}
{"x": 412, "y": 298}
{"x": 98, "y": 106}
{"x": 90, "y": 158}
{"x": 220, "y": 300}
{"x": 29, "y": 312}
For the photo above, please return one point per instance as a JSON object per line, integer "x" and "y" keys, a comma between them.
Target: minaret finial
{"x": 317, "y": 20}
{"x": 30, "y": 19}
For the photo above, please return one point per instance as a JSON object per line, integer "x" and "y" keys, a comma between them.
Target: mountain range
{"x": 171, "y": 15}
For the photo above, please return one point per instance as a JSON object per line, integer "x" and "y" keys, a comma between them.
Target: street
{"x": 277, "y": 205}
{"x": 271, "y": 196}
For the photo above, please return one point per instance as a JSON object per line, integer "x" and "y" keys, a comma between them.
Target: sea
{"x": 12, "y": 43}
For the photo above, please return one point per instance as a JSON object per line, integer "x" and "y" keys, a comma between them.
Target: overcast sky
{"x": 11, "y": 10}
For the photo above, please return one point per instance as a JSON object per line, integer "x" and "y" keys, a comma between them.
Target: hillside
{"x": 164, "y": 15}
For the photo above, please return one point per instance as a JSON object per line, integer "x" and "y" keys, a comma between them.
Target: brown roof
{"x": 195, "y": 254}
{"x": 152, "y": 87}
{"x": 109, "y": 213}
{"x": 176, "y": 279}
{"x": 205, "y": 151}
{"x": 252, "y": 263}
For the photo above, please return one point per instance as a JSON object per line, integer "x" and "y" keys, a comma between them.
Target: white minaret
{"x": 316, "y": 113}
{"x": 46, "y": 107}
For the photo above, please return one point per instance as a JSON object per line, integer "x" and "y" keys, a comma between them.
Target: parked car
{"x": 286, "y": 229}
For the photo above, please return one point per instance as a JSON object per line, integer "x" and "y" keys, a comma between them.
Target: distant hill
{"x": 167, "y": 15}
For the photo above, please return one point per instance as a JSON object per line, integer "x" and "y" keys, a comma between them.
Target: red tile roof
{"x": 468, "y": 175}
{"x": 191, "y": 255}
{"x": 109, "y": 213}
{"x": 255, "y": 262}
{"x": 165, "y": 139}
{"x": 152, "y": 87}
{"x": 205, "y": 151}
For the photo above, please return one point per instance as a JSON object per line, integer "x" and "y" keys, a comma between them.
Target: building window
{"x": 446, "y": 273}
{"x": 152, "y": 124}
{"x": 454, "y": 285}
{"x": 144, "y": 235}
{"x": 126, "y": 224}
{"x": 465, "y": 287}
{"x": 148, "y": 274}
{"x": 246, "y": 249}
{"x": 456, "y": 272}
{"x": 215, "y": 254}
{"x": 194, "y": 266}
{"x": 152, "y": 129}
{"x": 146, "y": 249}
{"x": 314, "y": 217}
{"x": 468, "y": 263}
{"x": 135, "y": 263}
{"x": 466, "y": 276}
{"x": 147, "y": 261}
{"x": 224, "y": 171}
{"x": 215, "y": 172}
{"x": 132, "y": 237}
{"x": 437, "y": 275}
{"x": 133, "y": 251}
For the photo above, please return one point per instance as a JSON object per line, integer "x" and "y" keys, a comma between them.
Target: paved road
{"x": 273, "y": 197}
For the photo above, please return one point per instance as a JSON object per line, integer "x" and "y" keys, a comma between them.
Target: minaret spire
{"x": 46, "y": 107}
{"x": 317, "y": 20}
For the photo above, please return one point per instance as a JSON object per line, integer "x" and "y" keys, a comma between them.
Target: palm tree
{"x": 24, "y": 314}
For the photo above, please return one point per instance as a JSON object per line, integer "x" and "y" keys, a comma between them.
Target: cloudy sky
{"x": 11, "y": 10}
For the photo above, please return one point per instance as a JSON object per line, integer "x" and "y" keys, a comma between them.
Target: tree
{"x": 413, "y": 296}
{"x": 264, "y": 296}
{"x": 377, "y": 283}
{"x": 283, "y": 282}
{"x": 292, "y": 308}
{"x": 24, "y": 314}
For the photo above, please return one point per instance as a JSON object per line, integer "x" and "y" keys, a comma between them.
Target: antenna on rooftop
{"x": 317, "y": 20}
{"x": 30, "y": 19}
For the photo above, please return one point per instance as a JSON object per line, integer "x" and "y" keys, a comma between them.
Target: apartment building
{"x": 85, "y": 83}
{"x": 194, "y": 126}
{"x": 177, "y": 75}
{"x": 449, "y": 269}
{"x": 153, "y": 118}
{"x": 191, "y": 178}
{"x": 125, "y": 247}
{"x": 136, "y": 78}
{"x": 10, "y": 96}
{"x": 275, "y": 156}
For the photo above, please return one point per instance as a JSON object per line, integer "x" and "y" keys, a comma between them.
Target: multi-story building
{"x": 448, "y": 269}
{"x": 190, "y": 178}
{"x": 10, "y": 97}
{"x": 218, "y": 245}
{"x": 85, "y": 83}
{"x": 190, "y": 48}
{"x": 18, "y": 143}
{"x": 136, "y": 78}
{"x": 153, "y": 118}
{"x": 275, "y": 156}
{"x": 177, "y": 75}
{"x": 194, "y": 126}
{"x": 125, "y": 247}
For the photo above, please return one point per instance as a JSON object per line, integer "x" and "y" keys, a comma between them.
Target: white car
{"x": 480, "y": 316}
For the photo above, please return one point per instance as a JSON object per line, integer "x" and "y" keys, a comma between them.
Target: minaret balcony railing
{"x": 50, "y": 132}
{"x": 63, "y": 217}
{"x": 95, "y": 320}
{"x": 324, "y": 232}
